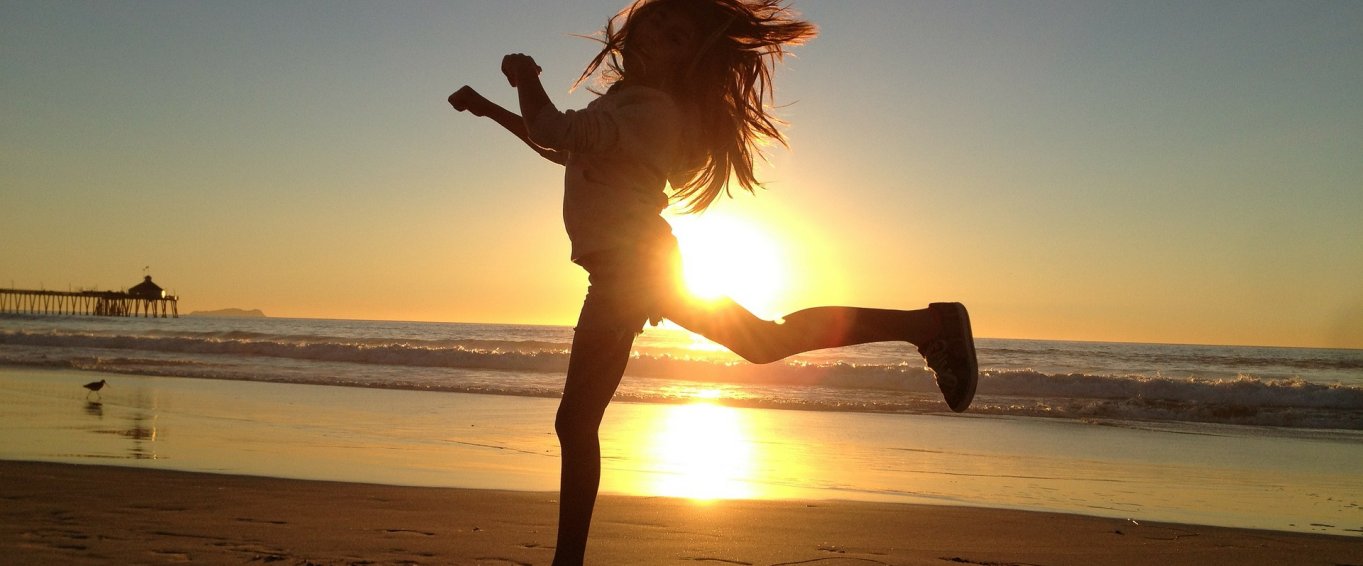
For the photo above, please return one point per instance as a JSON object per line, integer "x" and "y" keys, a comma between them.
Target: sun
{"x": 724, "y": 254}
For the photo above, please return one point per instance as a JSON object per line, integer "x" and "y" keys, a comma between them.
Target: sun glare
{"x": 709, "y": 394}
{"x": 703, "y": 452}
{"x": 728, "y": 255}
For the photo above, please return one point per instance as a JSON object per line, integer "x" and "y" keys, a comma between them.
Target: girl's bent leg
{"x": 941, "y": 332}
{"x": 763, "y": 341}
{"x": 595, "y": 366}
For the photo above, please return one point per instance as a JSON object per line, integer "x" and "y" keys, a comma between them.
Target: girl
{"x": 686, "y": 105}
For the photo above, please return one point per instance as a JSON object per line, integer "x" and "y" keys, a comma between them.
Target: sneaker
{"x": 952, "y": 355}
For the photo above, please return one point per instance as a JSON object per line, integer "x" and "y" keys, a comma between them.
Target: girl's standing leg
{"x": 595, "y": 366}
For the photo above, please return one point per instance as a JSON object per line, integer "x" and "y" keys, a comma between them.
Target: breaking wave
{"x": 535, "y": 367}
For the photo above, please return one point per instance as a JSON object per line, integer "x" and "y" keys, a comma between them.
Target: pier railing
{"x": 89, "y": 303}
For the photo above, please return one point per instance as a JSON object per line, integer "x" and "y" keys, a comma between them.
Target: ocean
{"x": 1268, "y": 438}
{"x": 1288, "y": 388}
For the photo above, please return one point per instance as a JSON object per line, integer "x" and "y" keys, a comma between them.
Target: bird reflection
{"x": 135, "y": 421}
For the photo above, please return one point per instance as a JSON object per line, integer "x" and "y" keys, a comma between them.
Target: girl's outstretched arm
{"x": 468, "y": 100}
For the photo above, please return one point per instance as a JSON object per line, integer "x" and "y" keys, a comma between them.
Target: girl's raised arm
{"x": 468, "y": 100}
{"x": 524, "y": 75}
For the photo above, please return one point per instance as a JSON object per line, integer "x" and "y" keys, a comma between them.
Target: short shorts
{"x": 629, "y": 287}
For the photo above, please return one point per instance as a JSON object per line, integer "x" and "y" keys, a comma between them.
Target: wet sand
{"x": 1245, "y": 478}
{"x": 81, "y": 514}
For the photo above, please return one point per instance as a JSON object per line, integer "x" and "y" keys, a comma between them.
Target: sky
{"x": 1172, "y": 172}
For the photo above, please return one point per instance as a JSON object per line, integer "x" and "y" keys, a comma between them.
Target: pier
{"x": 146, "y": 299}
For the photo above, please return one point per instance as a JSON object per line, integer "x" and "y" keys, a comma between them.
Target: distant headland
{"x": 232, "y": 313}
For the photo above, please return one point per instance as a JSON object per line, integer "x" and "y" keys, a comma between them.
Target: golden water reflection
{"x": 701, "y": 451}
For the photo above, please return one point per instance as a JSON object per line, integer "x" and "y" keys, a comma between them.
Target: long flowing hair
{"x": 727, "y": 85}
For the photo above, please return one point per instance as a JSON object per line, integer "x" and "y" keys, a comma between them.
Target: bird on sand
{"x": 95, "y": 386}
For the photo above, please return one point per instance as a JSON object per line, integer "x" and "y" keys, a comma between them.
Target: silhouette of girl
{"x": 688, "y": 83}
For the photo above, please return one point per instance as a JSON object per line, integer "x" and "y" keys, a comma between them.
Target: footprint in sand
{"x": 409, "y": 532}
{"x": 262, "y": 521}
{"x": 171, "y": 555}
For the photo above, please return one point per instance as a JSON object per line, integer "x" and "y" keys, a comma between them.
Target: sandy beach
{"x": 74, "y": 514}
{"x": 236, "y": 472}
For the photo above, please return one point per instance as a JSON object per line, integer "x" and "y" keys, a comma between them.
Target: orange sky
{"x": 1103, "y": 171}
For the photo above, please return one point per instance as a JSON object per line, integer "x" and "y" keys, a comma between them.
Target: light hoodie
{"x": 620, "y": 150}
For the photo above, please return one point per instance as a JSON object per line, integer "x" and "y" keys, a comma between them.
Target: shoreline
{"x": 697, "y": 451}
{"x": 93, "y": 514}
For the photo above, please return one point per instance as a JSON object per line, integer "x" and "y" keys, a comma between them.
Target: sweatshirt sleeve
{"x": 638, "y": 118}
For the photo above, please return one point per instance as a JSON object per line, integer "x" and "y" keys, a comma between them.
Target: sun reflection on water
{"x": 702, "y": 451}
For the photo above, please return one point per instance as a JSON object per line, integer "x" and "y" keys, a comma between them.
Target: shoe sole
{"x": 966, "y": 394}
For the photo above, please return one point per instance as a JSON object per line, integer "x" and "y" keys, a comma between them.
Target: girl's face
{"x": 661, "y": 40}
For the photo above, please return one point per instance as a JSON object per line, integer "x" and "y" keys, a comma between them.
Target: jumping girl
{"x": 689, "y": 82}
